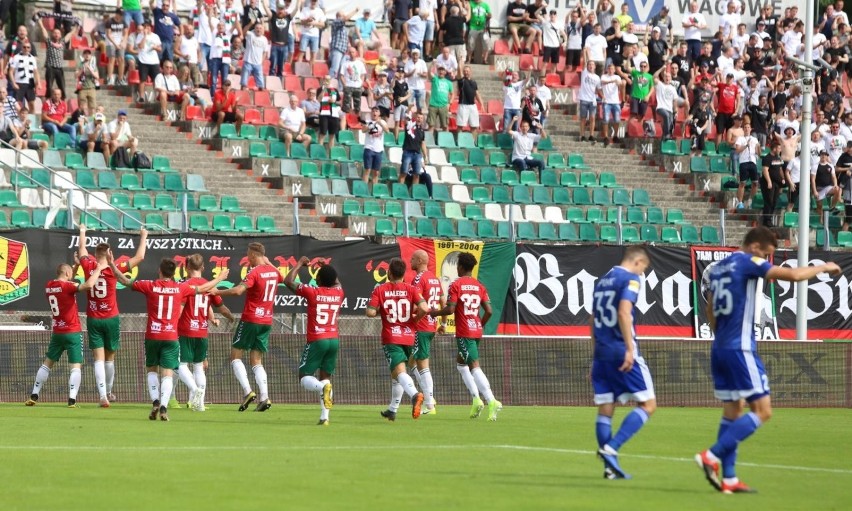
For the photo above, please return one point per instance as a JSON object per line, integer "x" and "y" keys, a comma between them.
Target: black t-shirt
{"x": 279, "y": 29}
{"x": 517, "y": 10}
{"x": 768, "y": 24}
{"x": 400, "y": 90}
{"x": 656, "y": 52}
{"x": 532, "y": 10}
{"x": 823, "y": 175}
{"x": 683, "y": 68}
{"x": 532, "y": 108}
{"x": 760, "y": 118}
{"x": 401, "y": 9}
{"x": 250, "y": 15}
{"x": 467, "y": 91}
{"x": 776, "y": 168}
{"x": 453, "y": 30}
{"x": 614, "y": 47}
{"x": 414, "y": 137}
{"x": 710, "y": 61}
{"x": 844, "y": 161}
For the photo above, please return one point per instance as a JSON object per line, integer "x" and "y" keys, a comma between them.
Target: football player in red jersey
{"x": 464, "y": 299}
{"x": 67, "y": 335}
{"x": 401, "y": 306}
{"x": 430, "y": 288}
{"x": 320, "y": 353}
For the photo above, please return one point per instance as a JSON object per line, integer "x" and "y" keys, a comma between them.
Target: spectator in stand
{"x": 595, "y": 49}
{"x": 238, "y": 52}
{"x": 401, "y": 100}
{"x": 447, "y": 61}
{"x": 574, "y": 34}
{"x": 23, "y": 74}
{"x": 415, "y": 154}
{"x": 700, "y": 123}
{"x": 10, "y": 106}
{"x": 478, "y": 30}
{"x": 729, "y": 98}
{"x": 772, "y": 180}
{"x": 641, "y": 81}
{"x": 658, "y": 50}
{"x": 120, "y": 134}
{"x": 453, "y": 33}
{"x": 524, "y": 142}
{"x": 519, "y": 26}
{"x": 381, "y": 95}
{"x": 257, "y": 52}
{"x": 468, "y": 114}
{"x": 545, "y": 96}
{"x": 54, "y": 65}
{"x": 415, "y": 30}
{"x": 312, "y": 19}
{"x": 740, "y": 41}
{"x": 55, "y": 118}
{"x": 615, "y": 44}
{"x": 292, "y": 125}
{"x": 416, "y": 74}
{"x": 553, "y": 36}
{"x": 374, "y": 145}
{"x": 279, "y": 35}
{"x": 667, "y": 101}
{"x": 401, "y": 12}
{"x": 339, "y": 40}
{"x": 88, "y": 82}
{"x": 789, "y": 143}
{"x": 843, "y": 169}
{"x": 148, "y": 49}
{"x": 440, "y": 98}
{"x": 761, "y": 117}
{"x": 97, "y": 136}
{"x": 728, "y": 22}
{"x": 166, "y": 26}
{"x": 353, "y": 75}
{"x": 132, "y": 12}
{"x": 22, "y": 126}
{"x": 693, "y": 23}
{"x": 834, "y": 142}
{"x": 624, "y": 17}
{"x": 429, "y": 7}
{"x": 220, "y": 55}
{"x": 532, "y": 108}
{"x": 15, "y": 45}
{"x": 365, "y": 36}
{"x": 9, "y": 133}
{"x": 824, "y": 183}
{"x": 205, "y": 22}
{"x": 168, "y": 90}
{"x": 188, "y": 53}
{"x": 590, "y": 84}
{"x": 748, "y": 149}
{"x": 513, "y": 90}
{"x": 254, "y": 13}
{"x": 610, "y": 86}
{"x": 536, "y": 10}
{"x": 329, "y": 117}
{"x": 225, "y": 107}
{"x": 117, "y": 34}
{"x": 605, "y": 13}
{"x": 232, "y": 17}
{"x": 664, "y": 22}
{"x": 311, "y": 107}
{"x": 188, "y": 87}
{"x": 769, "y": 20}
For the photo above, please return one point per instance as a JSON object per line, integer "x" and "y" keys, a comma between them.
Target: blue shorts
{"x": 588, "y": 110}
{"x": 738, "y": 374}
{"x": 610, "y": 384}
{"x": 372, "y": 160}
{"x": 308, "y": 41}
{"x": 612, "y": 112}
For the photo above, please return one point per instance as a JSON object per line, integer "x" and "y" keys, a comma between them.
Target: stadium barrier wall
{"x": 522, "y": 371}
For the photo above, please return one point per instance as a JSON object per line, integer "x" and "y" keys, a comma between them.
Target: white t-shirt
{"x": 375, "y": 139}
{"x": 544, "y": 95}
{"x": 205, "y": 33}
{"x": 795, "y": 169}
{"x": 146, "y": 46}
{"x": 450, "y": 63}
{"x": 352, "y": 72}
{"x": 724, "y": 63}
{"x": 739, "y": 43}
{"x": 317, "y": 15}
{"x": 512, "y": 95}
{"x": 189, "y": 49}
{"x": 575, "y": 37}
{"x": 666, "y": 94}
{"x": 609, "y": 86}
{"x": 523, "y": 146}
{"x": 749, "y": 154}
{"x": 791, "y": 41}
{"x": 256, "y": 48}
{"x": 629, "y": 38}
{"x": 121, "y": 135}
{"x": 415, "y": 81}
{"x": 597, "y": 47}
{"x": 589, "y": 85}
{"x": 292, "y": 118}
{"x": 835, "y": 145}
{"x": 168, "y": 83}
{"x": 416, "y": 30}
{"x": 693, "y": 32}
{"x": 728, "y": 23}
{"x": 550, "y": 34}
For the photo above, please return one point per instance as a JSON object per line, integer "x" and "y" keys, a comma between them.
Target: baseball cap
{"x": 415, "y": 50}
{"x": 823, "y": 152}
{"x": 122, "y": 112}
{"x": 656, "y": 29}
{"x": 100, "y": 117}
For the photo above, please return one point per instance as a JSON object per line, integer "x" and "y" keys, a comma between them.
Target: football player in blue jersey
{"x": 618, "y": 370}
{"x": 738, "y": 373}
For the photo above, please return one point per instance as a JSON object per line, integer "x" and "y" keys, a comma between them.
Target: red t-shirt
{"x": 228, "y": 102}
{"x": 323, "y": 310}
{"x": 727, "y": 94}
{"x": 193, "y": 319}
{"x": 430, "y": 288}
{"x": 396, "y": 302}
{"x": 102, "y": 303}
{"x": 261, "y": 283}
{"x": 163, "y": 298}
{"x": 467, "y": 295}
{"x": 55, "y": 111}
{"x": 62, "y": 299}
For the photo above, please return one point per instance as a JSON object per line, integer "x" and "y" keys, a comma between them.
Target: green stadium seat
{"x": 480, "y": 194}
{"x": 710, "y": 235}
{"x": 151, "y": 182}
{"x": 635, "y": 215}
{"x": 547, "y": 231}
{"x": 575, "y": 215}
{"x": 720, "y": 165}
{"x": 309, "y": 169}
{"x": 655, "y": 216}
{"x": 595, "y": 215}
{"x": 588, "y": 179}
{"x": 244, "y": 223}
{"x": 568, "y": 232}
{"x": 319, "y": 187}
{"x": 473, "y": 212}
{"x": 469, "y": 176}
{"x": 385, "y": 227}
{"x": 208, "y": 202}
{"x": 227, "y": 130}
{"x": 74, "y": 161}
{"x": 575, "y": 161}
{"x": 466, "y": 140}
{"x": 630, "y": 234}
{"x": 600, "y": 197}
{"x": 346, "y": 137}
{"x": 162, "y": 163}
{"x": 340, "y": 188}
{"x": 95, "y": 160}
{"x": 62, "y": 141}
{"x": 360, "y": 189}
{"x": 509, "y": 177}
{"x": 120, "y": 200}
{"x": 155, "y": 221}
{"x": 130, "y": 182}
{"x": 497, "y": 159}
{"x": 609, "y": 233}
{"x": 541, "y": 195}
{"x": 521, "y": 195}
{"x": 791, "y": 219}
{"x": 174, "y": 182}
{"x": 477, "y": 157}
{"x": 549, "y": 177}
{"x": 453, "y": 210}
{"x": 223, "y": 223}
{"x": 142, "y": 201}
{"x": 689, "y": 234}
{"x": 589, "y": 232}
{"x": 485, "y": 141}
{"x": 380, "y": 191}
{"x": 709, "y": 148}
{"x": 277, "y": 149}
{"x": 419, "y": 192}
{"x": 669, "y": 147}
{"x": 390, "y": 141}
{"x": 561, "y": 196}
{"x": 373, "y": 208}
{"x": 248, "y": 132}
{"x": 608, "y": 180}
{"x": 269, "y": 133}
{"x": 582, "y": 197}
{"x": 433, "y": 210}
{"x": 164, "y": 202}
{"x": 529, "y": 178}
{"x": 22, "y": 218}
{"x": 488, "y": 176}
{"x": 85, "y": 179}
{"x": 91, "y": 220}
{"x": 298, "y": 151}
{"x": 670, "y": 235}
{"x": 351, "y": 207}
{"x": 698, "y": 164}
{"x": 500, "y": 195}
{"x": 504, "y": 230}
{"x": 458, "y": 159}
{"x": 675, "y": 216}
{"x": 569, "y": 179}
{"x": 266, "y": 224}
{"x": 844, "y": 238}
{"x": 393, "y": 208}
{"x": 527, "y": 231}
{"x": 545, "y": 144}
{"x": 466, "y": 229}
{"x": 441, "y": 193}
{"x": 107, "y": 181}
{"x": 331, "y": 170}
{"x": 132, "y": 221}
{"x": 446, "y": 228}
{"x": 485, "y": 229}
{"x": 400, "y": 191}
{"x": 258, "y": 150}
{"x": 649, "y": 233}
{"x": 425, "y": 227}
{"x": 446, "y": 140}
{"x": 621, "y": 197}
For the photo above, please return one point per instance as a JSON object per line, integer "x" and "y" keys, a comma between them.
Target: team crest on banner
{"x": 15, "y": 280}
{"x": 643, "y": 10}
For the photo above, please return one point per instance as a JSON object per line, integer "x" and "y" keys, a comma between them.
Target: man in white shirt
{"x": 523, "y": 145}
{"x": 97, "y": 136}
{"x": 353, "y": 74}
{"x": 448, "y": 61}
{"x": 120, "y": 134}
{"x": 666, "y": 99}
{"x": 834, "y": 142}
{"x": 748, "y": 148}
{"x": 611, "y": 85}
{"x": 728, "y": 22}
{"x": 590, "y": 84}
{"x": 415, "y": 30}
{"x": 292, "y": 124}
{"x": 693, "y": 23}
{"x": 312, "y": 20}
{"x": 168, "y": 89}
{"x": 374, "y": 145}
{"x": 416, "y": 73}
{"x": 148, "y": 47}
{"x": 257, "y": 52}
{"x": 595, "y": 49}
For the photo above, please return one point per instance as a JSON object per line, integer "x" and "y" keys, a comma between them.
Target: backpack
{"x": 650, "y": 129}
{"x": 141, "y": 161}
{"x": 121, "y": 159}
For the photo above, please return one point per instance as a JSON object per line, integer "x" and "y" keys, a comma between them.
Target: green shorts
{"x": 162, "y": 353}
{"x": 468, "y": 349}
{"x": 104, "y": 333}
{"x": 422, "y": 342}
{"x": 251, "y": 336}
{"x": 396, "y": 354}
{"x": 320, "y": 355}
{"x": 193, "y": 350}
{"x": 70, "y": 343}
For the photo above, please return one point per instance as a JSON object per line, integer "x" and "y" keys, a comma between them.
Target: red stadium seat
{"x": 252, "y": 116}
{"x": 572, "y": 79}
{"x": 311, "y": 83}
{"x": 270, "y": 116}
{"x": 261, "y": 98}
{"x": 72, "y": 104}
{"x": 320, "y": 69}
{"x": 292, "y": 83}
{"x": 133, "y": 77}
{"x": 501, "y": 47}
{"x": 41, "y": 88}
{"x": 243, "y": 97}
{"x": 452, "y": 125}
{"x": 352, "y": 122}
{"x": 527, "y": 62}
{"x": 252, "y": 84}
{"x": 454, "y": 107}
{"x": 553, "y": 80}
{"x": 495, "y": 106}
{"x": 303, "y": 69}
{"x": 194, "y": 113}
{"x": 486, "y": 123}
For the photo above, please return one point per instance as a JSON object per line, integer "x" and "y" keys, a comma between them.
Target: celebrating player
{"x": 401, "y": 306}
{"x": 738, "y": 372}
{"x": 164, "y": 297}
{"x": 618, "y": 370}
{"x": 464, "y": 299}
{"x": 430, "y": 288}
{"x": 102, "y": 318}
{"x": 252, "y": 333}
{"x": 192, "y": 332}
{"x": 320, "y": 351}
{"x": 67, "y": 335}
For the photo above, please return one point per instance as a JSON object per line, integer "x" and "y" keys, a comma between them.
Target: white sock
{"x": 200, "y": 376}
{"x": 323, "y": 409}
{"x": 100, "y": 378}
{"x": 241, "y": 374}
{"x": 467, "y": 378}
{"x": 154, "y": 386}
{"x": 396, "y": 396}
{"x": 311, "y": 384}
{"x": 415, "y": 374}
{"x": 427, "y": 385}
{"x": 407, "y": 384}
{"x": 74, "y": 382}
{"x": 41, "y": 376}
{"x": 166, "y": 387}
{"x": 186, "y": 377}
{"x": 482, "y": 383}
{"x": 260, "y": 378}
{"x": 109, "y": 368}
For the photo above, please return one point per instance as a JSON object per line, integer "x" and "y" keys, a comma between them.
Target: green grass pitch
{"x": 533, "y": 458}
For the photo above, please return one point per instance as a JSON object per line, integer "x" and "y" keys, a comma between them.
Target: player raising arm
{"x": 401, "y": 306}
{"x": 320, "y": 353}
{"x": 738, "y": 372}
{"x": 67, "y": 335}
{"x": 430, "y": 288}
{"x": 102, "y": 317}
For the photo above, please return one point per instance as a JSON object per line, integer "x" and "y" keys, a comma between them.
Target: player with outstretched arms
{"x": 465, "y": 298}
{"x": 430, "y": 288}
{"x": 102, "y": 317}
{"x": 738, "y": 373}
{"x": 618, "y": 370}
{"x": 323, "y": 339}
{"x": 67, "y": 335}
{"x": 401, "y": 306}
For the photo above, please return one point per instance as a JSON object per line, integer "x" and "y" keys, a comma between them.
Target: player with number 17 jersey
{"x": 467, "y": 295}
{"x": 261, "y": 283}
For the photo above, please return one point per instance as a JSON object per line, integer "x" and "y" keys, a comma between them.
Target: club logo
{"x": 15, "y": 264}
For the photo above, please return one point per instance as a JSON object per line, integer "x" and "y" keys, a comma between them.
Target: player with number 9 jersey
{"x": 466, "y": 295}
